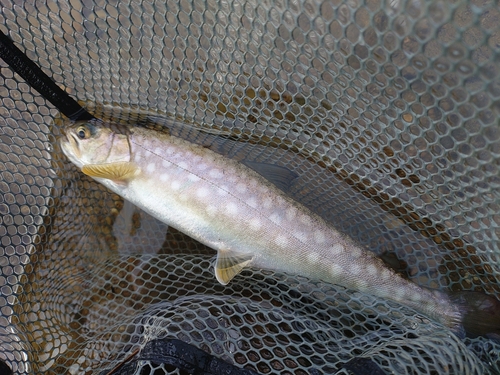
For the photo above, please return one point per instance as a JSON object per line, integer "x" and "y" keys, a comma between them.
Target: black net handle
{"x": 41, "y": 82}
{"x": 5, "y": 369}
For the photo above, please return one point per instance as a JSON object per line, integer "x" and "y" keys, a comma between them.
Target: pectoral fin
{"x": 229, "y": 264}
{"x": 113, "y": 171}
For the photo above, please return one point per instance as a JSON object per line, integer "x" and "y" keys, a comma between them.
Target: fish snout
{"x": 65, "y": 131}
{"x": 69, "y": 144}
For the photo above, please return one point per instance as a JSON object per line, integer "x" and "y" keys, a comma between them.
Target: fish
{"x": 236, "y": 210}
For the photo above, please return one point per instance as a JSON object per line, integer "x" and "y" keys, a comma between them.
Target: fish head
{"x": 95, "y": 142}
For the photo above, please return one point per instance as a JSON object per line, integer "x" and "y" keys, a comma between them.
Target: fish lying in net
{"x": 233, "y": 209}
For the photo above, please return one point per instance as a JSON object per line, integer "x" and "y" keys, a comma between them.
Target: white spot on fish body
{"x": 202, "y": 192}
{"x": 276, "y": 218}
{"x": 164, "y": 177}
{"x": 337, "y": 249}
{"x": 263, "y": 189}
{"x": 336, "y": 270}
{"x": 151, "y": 167}
{"x": 319, "y": 237}
{"x": 415, "y": 297}
{"x": 372, "y": 270}
{"x": 232, "y": 208}
{"x": 301, "y": 236}
{"x": 215, "y": 173}
{"x": 170, "y": 150}
{"x": 232, "y": 175}
{"x": 280, "y": 201}
{"x": 211, "y": 210}
{"x": 267, "y": 203}
{"x": 166, "y": 163}
{"x": 183, "y": 165}
{"x": 356, "y": 252}
{"x": 385, "y": 274}
{"x": 175, "y": 185}
{"x": 241, "y": 188}
{"x": 399, "y": 294}
{"x": 313, "y": 257}
{"x": 252, "y": 202}
{"x": 362, "y": 284}
{"x": 193, "y": 178}
{"x": 255, "y": 223}
{"x": 196, "y": 159}
{"x": 281, "y": 240}
{"x": 138, "y": 156}
{"x": 291, "y": 213}
{"x": 158, "y": 151}
{"x": 201, "y": 166}
{"x": 355, "y": 269}
{"x": 304, "y": 219}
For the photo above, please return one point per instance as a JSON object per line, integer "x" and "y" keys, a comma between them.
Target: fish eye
{"x": 82, "y": 132}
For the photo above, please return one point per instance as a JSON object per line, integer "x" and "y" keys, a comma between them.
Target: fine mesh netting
{"x": 387, "y": 111}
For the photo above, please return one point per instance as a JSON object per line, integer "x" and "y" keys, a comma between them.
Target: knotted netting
{"x": 387, "y": 111}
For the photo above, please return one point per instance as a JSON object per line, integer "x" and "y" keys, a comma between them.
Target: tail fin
{"x": 480, "y": 314}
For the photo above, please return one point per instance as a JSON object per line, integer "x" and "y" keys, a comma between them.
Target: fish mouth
{"x": 70, "y": 147}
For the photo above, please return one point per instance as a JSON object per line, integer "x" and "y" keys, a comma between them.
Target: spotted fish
{"x": 235, "y": 210}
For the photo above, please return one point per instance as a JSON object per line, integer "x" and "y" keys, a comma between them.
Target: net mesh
{"x": 387, "y": 110}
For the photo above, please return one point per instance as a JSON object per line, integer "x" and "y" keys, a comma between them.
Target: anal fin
{"x": 119, "y": 171}
{"x": 229, "y": 264}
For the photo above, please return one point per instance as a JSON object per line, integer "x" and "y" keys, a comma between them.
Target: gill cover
{"x": 103, "y": 149}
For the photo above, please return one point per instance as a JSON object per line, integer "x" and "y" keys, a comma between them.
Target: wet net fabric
{"x": 387, "y": 111}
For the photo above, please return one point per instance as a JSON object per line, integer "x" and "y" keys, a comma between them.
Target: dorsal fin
{"x": 229, "y": 264}
{"x": 280, "y": 176}
{"x": 119, "y": 171}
